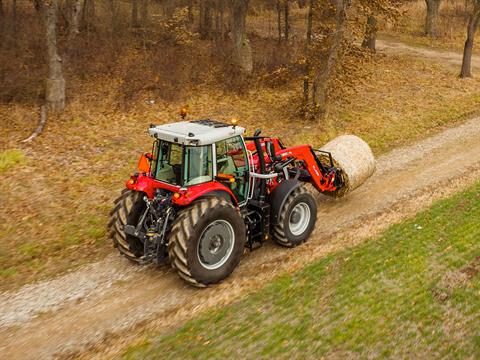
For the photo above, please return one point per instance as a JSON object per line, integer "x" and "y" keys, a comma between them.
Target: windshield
{"x": 170, "y": 167}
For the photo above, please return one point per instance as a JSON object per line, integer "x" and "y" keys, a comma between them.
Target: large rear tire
{"x": 297, "y": 218}
{"x": 128, "y": 208}
{"x": 206, "y": 241}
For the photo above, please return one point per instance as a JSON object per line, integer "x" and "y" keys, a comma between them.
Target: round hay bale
{"x": 354, "y": 157}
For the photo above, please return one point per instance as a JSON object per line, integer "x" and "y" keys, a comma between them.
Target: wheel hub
{"x": 299, "y": 219}
{"x": 216, "y": 244}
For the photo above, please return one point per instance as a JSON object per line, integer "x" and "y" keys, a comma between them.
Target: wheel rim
{"x": 216, "y": 244}
{"x": 299, "y": 219}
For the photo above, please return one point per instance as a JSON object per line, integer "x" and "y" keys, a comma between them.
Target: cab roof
{"x": 196, "y": 132}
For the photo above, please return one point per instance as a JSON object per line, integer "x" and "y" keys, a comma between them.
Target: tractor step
{"x": 257, "y": 219}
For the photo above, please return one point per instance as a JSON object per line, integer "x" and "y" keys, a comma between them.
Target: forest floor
{"x": 112, "y": 302}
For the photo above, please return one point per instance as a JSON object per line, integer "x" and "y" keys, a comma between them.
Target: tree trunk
{"x": 323, "y": 74}
{"x": 431, "y": 18}
{"x": 242, "y": 52}
{"x": 219, "y": 20}
{"x": 113, "y": 20}
{"x": 279, "y": 20}
{"x": 205, "y": 21}
{"x": 286, "y": 19}
{"x": 2, "y": 24}
{"x": 190, "y": 11}
{"x": 55, "y": 90}
{"x": 144, "y": 13}
{"x": 310, "y": 21}
{"x": 134, "y": 13}
{"x": 14, "y": 18}
{"x": 75, "y": 8}
{"x": 88, "y": 13}
{"x": 306, "y": 84}
{"x": 473, "y": 23}
{"x": 370, "y": 39}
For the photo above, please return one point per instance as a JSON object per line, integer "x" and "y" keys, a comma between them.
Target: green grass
{"x": 406, "y": 294}
{"x": 11, "y": 158}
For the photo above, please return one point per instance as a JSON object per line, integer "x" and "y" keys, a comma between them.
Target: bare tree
{"x": 74, "y": 9}
{"x": 219, "y": 20}
{"x": 311, "y": 5}
{"x": 55, "y": 91}
{"x": 279, "y": 20}
{"x": 473, "y": 23}
{"x": 283, "y": 6}
{"x": 286, "y": 19}
{"x": 205, "y": 19}
{"x": 1, "y": 20}
{"x": 242, "y": 52}
{"x": 190, "y": 11}
{"x": 431, "y": 17}
{"x": 324, "y": 57}
{"x": 14, "y": 17}
{"x": 88, "y": 13}
{"x": 113, "y": 20}
{"x": 135, "y": 13}
{"x": 144, "y": 13}
{"x": 306, "y": 83}
{"x": 370, "y": 38}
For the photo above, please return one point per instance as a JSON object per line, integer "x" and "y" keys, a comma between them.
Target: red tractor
{"x": 205, "y": 192}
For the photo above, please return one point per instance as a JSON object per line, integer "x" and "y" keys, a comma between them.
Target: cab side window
{"x": 232, "y": 160}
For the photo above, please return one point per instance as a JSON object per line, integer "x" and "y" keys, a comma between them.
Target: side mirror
{"x": 270, "y": 149}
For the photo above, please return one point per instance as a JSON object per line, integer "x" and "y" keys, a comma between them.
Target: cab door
{"x": 232, "y": 167}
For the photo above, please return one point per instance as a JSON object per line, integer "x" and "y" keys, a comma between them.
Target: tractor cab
{"x": 199, "y": 152}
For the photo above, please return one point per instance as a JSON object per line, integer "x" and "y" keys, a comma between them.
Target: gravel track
{"x": 399, "y": 48}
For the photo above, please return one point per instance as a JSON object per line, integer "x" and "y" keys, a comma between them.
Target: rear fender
{"x": 212, "y": 188}
{"x": 278, "y": 197}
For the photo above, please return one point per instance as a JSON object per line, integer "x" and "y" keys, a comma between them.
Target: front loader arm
{"x": 325, "y": 178}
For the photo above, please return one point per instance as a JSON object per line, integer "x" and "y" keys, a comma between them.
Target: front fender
{"x": 278, "y": 196}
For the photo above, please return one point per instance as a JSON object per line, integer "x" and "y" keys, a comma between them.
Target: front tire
{"x": 206, "y": 241}
{"x": 128, "y": 208}
{"x": 297, "y": 218}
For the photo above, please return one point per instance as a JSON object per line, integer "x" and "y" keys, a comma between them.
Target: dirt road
{"x": 392, "y": 47}
{"x": 113, "y": 299}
